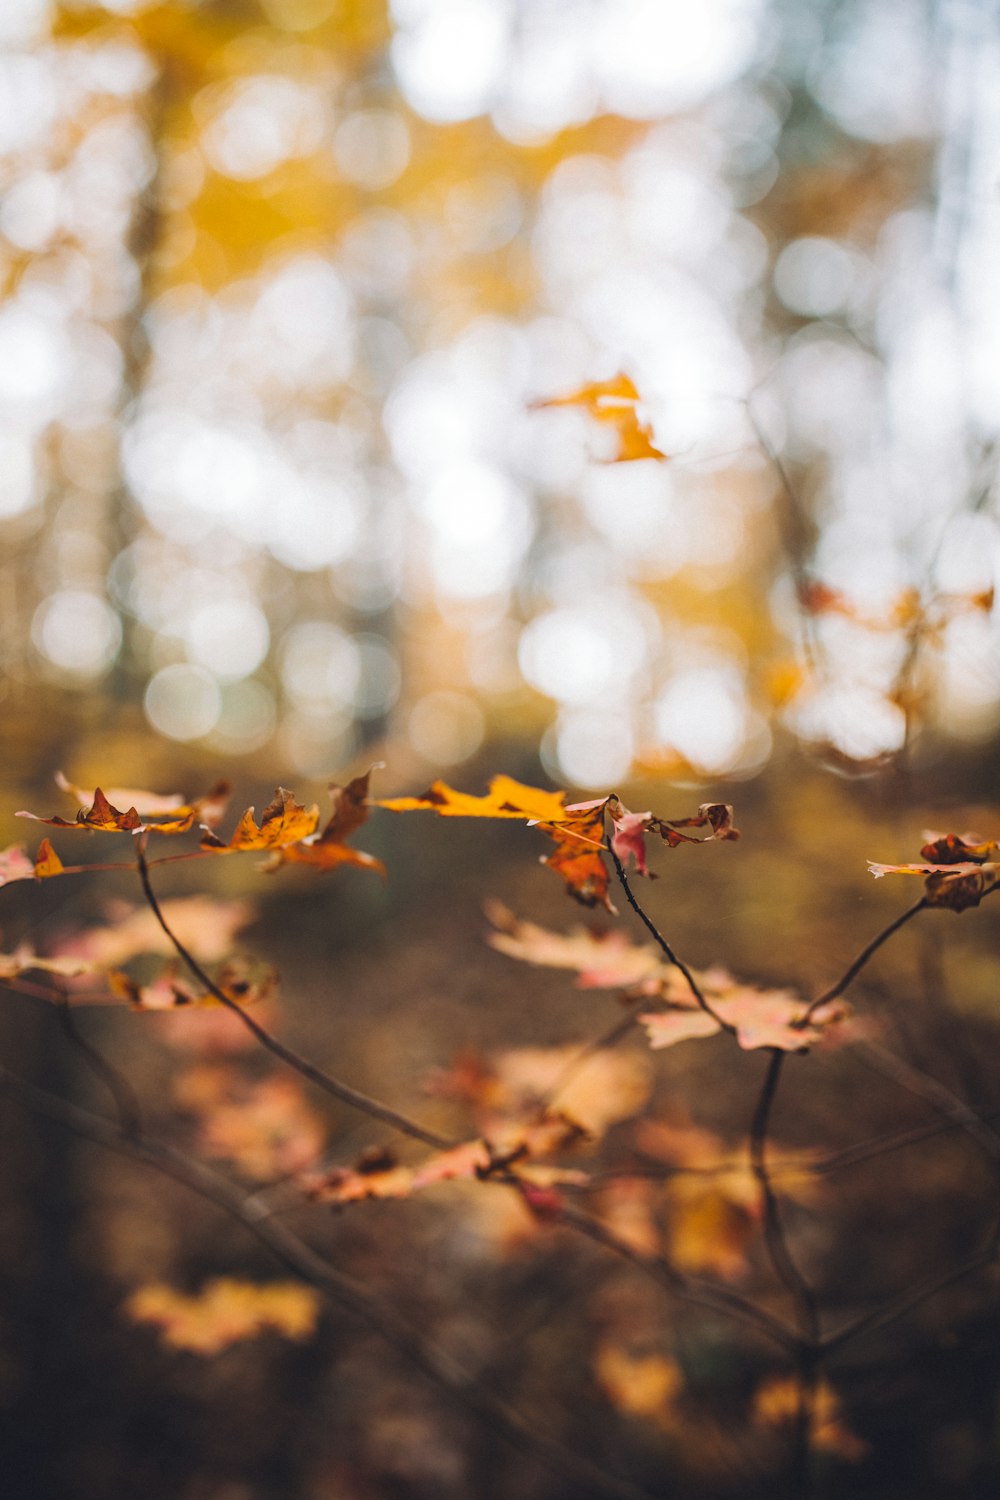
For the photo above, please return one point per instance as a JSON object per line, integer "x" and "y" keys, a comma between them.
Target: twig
{"x": 126, "y": 1100}
{"x": 857, "y": 964}
{"x": 665, "y": 947}
{"x": 807, "y": 1344}
{"x": 432, "y": 1360}
{"x": 330, "y": 1085}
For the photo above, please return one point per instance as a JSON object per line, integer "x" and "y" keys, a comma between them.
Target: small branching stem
{"x": 322, "y": 1080}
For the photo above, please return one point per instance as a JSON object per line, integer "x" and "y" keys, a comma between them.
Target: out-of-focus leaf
{"x": 265, "y": 1126}
{"x": 601, "y": 960}
{"x": 776, "y": 1404}
{"x": 15, "y": 864}
{"x": 206, "y": 927}
{"x": 47, "y": 861}
{"x": 760, "y": 1017}
{"x": 225, "y": 1312}
{"x": 639, "y": 1383}
{"x": 614, "y": 402}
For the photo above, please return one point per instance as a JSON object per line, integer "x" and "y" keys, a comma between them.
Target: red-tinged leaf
{"x": 205, "y": 926}
{"x": 578, "y": 857}
{"x": 265, "y": 1126}
{"x": 327, "y": 850}
{"x": 955, "y": 849}
{"x": 100, "y": 815}
{"x": 820, "y": 599}
{"x": 602, "y": 960}
{"x": 15, "y": 864}
{"x": 759, "y": 1017}
{"x": 244, "y": 982}
{"x": 546, "y": 1203}
{"x": 379, "y": 1175}
{"x": 506, "y": 798}
{"x": 284, "y": 821}
{"x": 678, "y": 1023}
{"x": 955, "y": 886}
{"x": 47, "y": 861}
{"x": 225, "y": 1312}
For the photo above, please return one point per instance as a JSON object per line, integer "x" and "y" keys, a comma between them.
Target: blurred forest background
{"x": 282, "y": 283}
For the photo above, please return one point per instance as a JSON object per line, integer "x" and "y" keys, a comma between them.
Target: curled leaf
{"x": 47, "y": 861}
{"x": 283, "y": 821}
{"x": 327, "y": 850}
{"x": 101, "y": 814}
{"x": 579, "y": 854}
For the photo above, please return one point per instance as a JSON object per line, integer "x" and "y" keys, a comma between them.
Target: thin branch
{"x": 665, "y": 947}
{"x": 857, "y": 964}
{"x": 937, "y": 1094}
{"x": 432, "y": 1360}
{"x": 126, "y": 1101}
{"x": 330, "y": 1085}
{"x": 913, "y": 1297}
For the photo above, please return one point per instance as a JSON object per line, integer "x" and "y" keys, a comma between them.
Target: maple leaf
{"x": 205, "y": 926}
{"x": 101, "y": 815}
{"x": 613, "y": 402}
{"x": 506, "y": 798}
{"x": 15, "y": 864}
{"x": 601, "y": 960}
{"x": 601, "y": 1090}
{"x": 170, "y": 813}
{"x": 327, "y": 850}
{"x": 759, "y": 1017}
{"x": 578, "y": 855}
{"x": 283, "y": 821}
{"x": 225, "y": 1312}
{"x": 639, "y": 1383}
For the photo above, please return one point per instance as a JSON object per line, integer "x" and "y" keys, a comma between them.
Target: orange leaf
{"x": 506, "y": 798}
{"x": 225, "y": 1312}
{"x": 578, "y": 855}
{"x": 326, "y": 850}
{"x": 614, "y": 401}
{"x": 284, "y": 821}
{"x": 100, "y": 815}
{"x": 47, "y": 861}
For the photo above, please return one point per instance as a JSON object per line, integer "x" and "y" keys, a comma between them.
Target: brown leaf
{"x": 225, "y": 1312}
{"x": 168, "y": 814}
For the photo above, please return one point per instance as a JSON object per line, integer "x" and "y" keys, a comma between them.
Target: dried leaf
{"x": 168, "y": 814}
{"x": 506, "y": 798}
{"x": 225, "y": 1312}
{"x": 47, "y": 861}
{"x": 578, "y": 855}
{"x": 327, "y": 850}
{"x": 760, "y": 1017}
{"x": 101, "y": 814}
{"x": 284, "y": 821}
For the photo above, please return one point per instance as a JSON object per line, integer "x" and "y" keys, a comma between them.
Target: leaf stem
{"x": 665, "y": 947}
